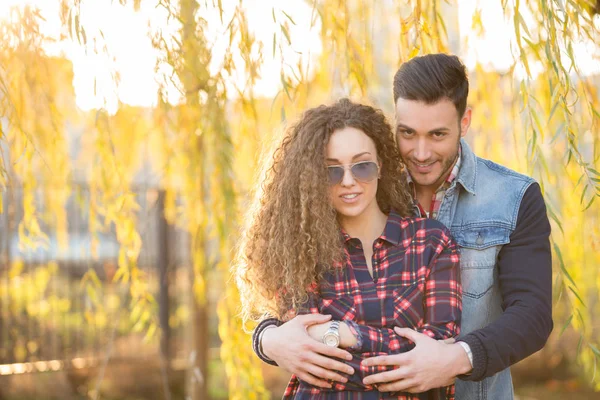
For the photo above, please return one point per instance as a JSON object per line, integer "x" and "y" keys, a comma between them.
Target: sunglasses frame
{"x": 349, "y": 167}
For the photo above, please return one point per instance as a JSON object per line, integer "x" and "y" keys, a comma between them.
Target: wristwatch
{"x": 331, "y": 337}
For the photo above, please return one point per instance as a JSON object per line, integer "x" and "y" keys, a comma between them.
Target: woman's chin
{"x": 350, "y": 211}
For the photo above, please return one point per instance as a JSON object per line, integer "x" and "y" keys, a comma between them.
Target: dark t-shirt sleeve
{"x": 525, "y": 276}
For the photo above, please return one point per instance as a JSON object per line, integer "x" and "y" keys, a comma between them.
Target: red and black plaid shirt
{"x": 415, "y": 284}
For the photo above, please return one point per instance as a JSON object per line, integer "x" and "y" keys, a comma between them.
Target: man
{"x": 499, "y": 221}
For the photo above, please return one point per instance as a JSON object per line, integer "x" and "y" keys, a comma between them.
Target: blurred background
{"x": 131, "y": 135}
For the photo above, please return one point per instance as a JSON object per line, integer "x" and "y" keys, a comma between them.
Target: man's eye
{"x": 439, "y": 134}
{"x": 404, "y": 132}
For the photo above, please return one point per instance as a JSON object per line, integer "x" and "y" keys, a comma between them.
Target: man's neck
{"x": 425, "y": 195}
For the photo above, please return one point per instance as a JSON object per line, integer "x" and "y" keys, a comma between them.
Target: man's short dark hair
{"x": 431, "y": 78}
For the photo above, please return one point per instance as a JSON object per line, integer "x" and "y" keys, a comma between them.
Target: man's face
{"x": 429, "y": 139}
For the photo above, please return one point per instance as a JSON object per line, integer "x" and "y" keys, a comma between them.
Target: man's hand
{"x": 295, "y": 351}
{"x": 431, "y": 364}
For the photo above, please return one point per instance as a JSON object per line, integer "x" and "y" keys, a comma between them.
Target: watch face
{"x": 331, "y": 340}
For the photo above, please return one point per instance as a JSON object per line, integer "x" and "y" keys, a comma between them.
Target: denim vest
{"x": 480, "y": 208}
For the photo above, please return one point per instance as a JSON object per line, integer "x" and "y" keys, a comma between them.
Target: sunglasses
{"x": 363, "y": 171}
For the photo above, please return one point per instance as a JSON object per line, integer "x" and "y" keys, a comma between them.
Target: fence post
{"x": 163, "y": 258}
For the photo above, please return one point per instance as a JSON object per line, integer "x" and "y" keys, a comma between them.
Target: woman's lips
{"x": 350, "y": 198}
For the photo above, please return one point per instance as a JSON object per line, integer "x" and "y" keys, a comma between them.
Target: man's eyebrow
{"x": 354, "y": 157}
{"x": 405, "y": 127}
{"x": 408, "y": 128}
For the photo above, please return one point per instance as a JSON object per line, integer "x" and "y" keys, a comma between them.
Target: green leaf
{"x": 559, "y": 130}
{"x": 590, "y": 203}
{"x": 583, "y": 193}
{"x": 70, "y": 22}
{"x": 579, "y": 343}
{"x": 579, "y": 180}
{"x": 566, "y": 325}
{"x": 579, "y": 317}
{"x": 554, "y": 217}
{"x": 577, "y": 295}
{"x": 533, "y": 47}
{"x": 285, "y": 86}
{"x": 553, "y": 110}
{"x": 595, "y": 350}
{"x": 562, "y": 265}
{"x": 286, "y": 33}
{"x": 523, "y": 24}
{"x": 440, "y": 19}
{"x": 220, "y": 6}
{"x": 288, "y": 17}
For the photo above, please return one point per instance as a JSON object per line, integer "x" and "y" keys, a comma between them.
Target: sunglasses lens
{"x": 336, "y": 174}
{"x": 365, "y": 171}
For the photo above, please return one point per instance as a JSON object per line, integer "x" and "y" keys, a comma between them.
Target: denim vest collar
{"x": 468, "y": 168}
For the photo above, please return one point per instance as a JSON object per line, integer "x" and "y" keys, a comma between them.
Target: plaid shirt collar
{"x": 391, "y": 232}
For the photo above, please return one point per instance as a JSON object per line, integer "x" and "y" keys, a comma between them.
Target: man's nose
{"x": 422, "y": 151}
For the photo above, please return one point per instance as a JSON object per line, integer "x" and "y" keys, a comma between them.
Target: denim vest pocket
{"x": 479, "y": 247}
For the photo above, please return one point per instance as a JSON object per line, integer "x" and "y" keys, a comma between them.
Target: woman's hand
{"x": 293, "y": 349}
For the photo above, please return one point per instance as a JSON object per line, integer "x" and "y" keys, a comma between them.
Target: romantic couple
{"x": 394, "y": 263}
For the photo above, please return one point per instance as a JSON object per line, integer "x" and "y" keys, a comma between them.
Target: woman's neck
{"x": 367, "y": 226}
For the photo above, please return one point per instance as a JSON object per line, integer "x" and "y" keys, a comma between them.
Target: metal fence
{"x": 50, "y": 320}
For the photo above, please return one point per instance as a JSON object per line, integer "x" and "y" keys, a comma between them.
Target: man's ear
{"x": 465, "y": 122}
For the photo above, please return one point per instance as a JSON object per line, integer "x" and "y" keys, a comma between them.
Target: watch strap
{"x": 467, "y": 349}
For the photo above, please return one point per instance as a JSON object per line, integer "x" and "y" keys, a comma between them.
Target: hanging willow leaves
{"x": 540, "y": 115}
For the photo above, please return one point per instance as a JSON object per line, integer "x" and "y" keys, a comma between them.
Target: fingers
{"x": 404, "y": 385}
{"x": 395, "y": 359}
{"x": 410, "y": 334}
{"x": 385, "y": 377}
{"x": 312, "y": 319}
{"x": 408, "y": 384}
{"x": 449, "y": 341}
{"x": 308, "y": 378}
{"x": 329, "y": 351}
{"x": 330, "y": 365}
{"x": 323, "y": 373}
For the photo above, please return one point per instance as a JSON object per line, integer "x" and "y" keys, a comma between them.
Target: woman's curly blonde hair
{"x": 293, "y": 235}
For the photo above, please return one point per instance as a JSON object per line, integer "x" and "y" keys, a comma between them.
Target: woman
{"x": 331, "y": 234}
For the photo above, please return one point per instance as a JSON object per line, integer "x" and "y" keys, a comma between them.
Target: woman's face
{"x": 353, "y": 171}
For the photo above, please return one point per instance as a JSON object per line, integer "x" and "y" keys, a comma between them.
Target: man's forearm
{"x": 258, "y": 339}
{"x": 510, "y": 339}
